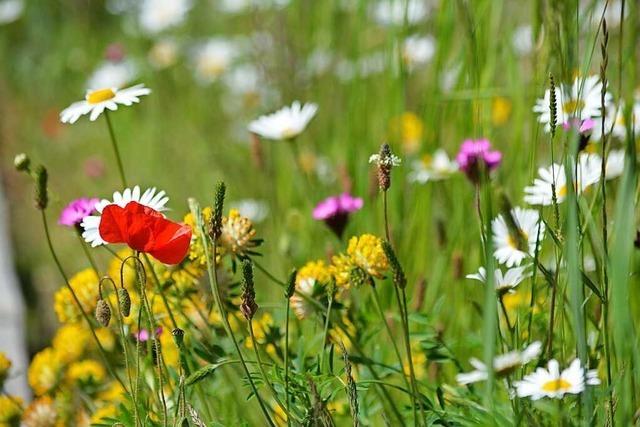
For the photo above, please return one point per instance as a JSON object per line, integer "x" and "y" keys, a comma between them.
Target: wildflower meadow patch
{"x": 294, "y": 213}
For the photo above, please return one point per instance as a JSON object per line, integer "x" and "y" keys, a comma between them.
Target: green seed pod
{"x": 103, "y": 313}
{"x": 125, "y": 302}
{"x": 291, "y": 288}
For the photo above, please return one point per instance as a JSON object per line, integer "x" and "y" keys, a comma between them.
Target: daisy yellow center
{"x": 562, "y": 191}
{"x": 511, "y": 241}
{"x": 572, "y": 106}
{"x": 556, "y": 385}
{"x": 100, "y": 95}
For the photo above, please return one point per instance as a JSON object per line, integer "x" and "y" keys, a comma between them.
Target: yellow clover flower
{"x": 364, "y": 255}
{"x": 70, "y": 342}
{"x": 5, "y": 365}
{"x": 85, "y": 286}
{"x": 10, "y": 410}
{"x": 86, "y": 372}
{"x": 45, "y": 371}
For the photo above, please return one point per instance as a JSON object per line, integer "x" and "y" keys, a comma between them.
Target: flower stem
{"x": 213, "y": 282}
{"x": 325, "y": 331}
{"x": 103, "y": 354}
{"x": 114, "y": 144}
{"x": 286, "y": 359}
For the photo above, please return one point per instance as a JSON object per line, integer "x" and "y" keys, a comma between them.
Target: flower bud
{"x": 215, "y": 228}
{"x": 103, "y": 313}
{"x": 399, "y": 279}
{"x": 22, "y": 162}
{"x": 125, "y": 302}
{"x": 249, "y": 305}
{"x": 384, "y": 167}
{"x": 42, "y": 198}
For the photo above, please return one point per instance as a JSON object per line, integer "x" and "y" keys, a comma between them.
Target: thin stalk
{"x": 286, "y": 359}
{"x": 376, "y": 299}
{"x": 385, "y": 203}
{"x": 156, "y": 281}
{"x": 94, "y": 266}
{"x": 101, "y": 350}
{"x": 325, "y": 332}
{"x": 114, "y": 144}
{"x": 265, "y": 378}
{"x": 213, "y": 282}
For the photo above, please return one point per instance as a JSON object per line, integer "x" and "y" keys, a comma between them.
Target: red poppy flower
{"x": 145, "y": 230}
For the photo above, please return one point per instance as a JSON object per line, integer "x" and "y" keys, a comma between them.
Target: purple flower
{"x": 335, "y": 210}
{"x": 475, "y": 154}
{"x": 584, "y": 129}
{"x": 74, "y": 213}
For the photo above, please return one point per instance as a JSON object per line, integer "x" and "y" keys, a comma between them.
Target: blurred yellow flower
{"x": 196, "y": 250}
{"x": 41, "y": 413}
{"x": 408, "y": 129}
{"x": 85, "y": 286}
{"x": 261, "y": 328}
{"x": 10, "y": 410}
{"x": 5, "y": 365}
{"x": 71, "y": 341}
{"x": 343, "y": 333}
{"x": 106, "y": 337}
{"x": 500, "y": 110}
{"x": 45, "y": 371}
{"x": 419, "y": 359}
{"x": 128, "y": 272}
{"x": 86, "y": 372}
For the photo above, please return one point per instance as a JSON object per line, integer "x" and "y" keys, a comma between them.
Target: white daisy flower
{"x": 113, "y": 74}
{"x": 511, "y": 249}
{"x": 286, "y": 123}
{"x": 418, "y": 50}
{"x": 433, "y": 168}
{"x": 540, "y": 193}
{"x": 97, "y": 100}
{"x": 10, "y": 11}
{"x": 503, "y": 364}
{"x": 150, "y": 198}
{"x": 551, "y": 383}
{"x": 506, "y": 282}
{"x": 581, "y": 100}
{"x": 614, "y": 122}
{"x": 390, "y": 12}
{"x": 159, "y": 15}
{"x": 213, "y": 58}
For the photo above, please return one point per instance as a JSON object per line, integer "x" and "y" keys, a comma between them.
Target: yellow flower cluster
{"x": 71, "y": 342}
{"x": 407, "y": 129}
{"x": 196, "y": 250}
{"x": 10, "y": 410}
{"x": 261, "y": 329}
{"x": 364, "y": 255}
{"x": 85, "y": 286}
{"x": 237, "y": 233}
{"x": 41, "y": 412}
{"x": 45, "y": 371}
{"x": 86, "y": 372}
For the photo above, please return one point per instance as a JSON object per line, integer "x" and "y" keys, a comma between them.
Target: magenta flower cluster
{"x": 475, "y": 155}
{"x": 335, "y": 211}
{"x": 73, "y": 214}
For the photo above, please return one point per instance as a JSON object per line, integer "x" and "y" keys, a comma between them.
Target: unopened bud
{"x": 215, "y": 228}
{"x": 178, "y": 336}
{"x": 125, "y": 302}
{"x": 103, "y": 313}
{"x": 249, "y": 305}
{"x": 399, "y": 279}
{"x": 22, "y": 162}
{"x": 358, "y": 276}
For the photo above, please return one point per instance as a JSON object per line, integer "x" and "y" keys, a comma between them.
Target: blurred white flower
{"x": 373, "y": 63}
{"x": 418, "y": 50}
{"x": 612, "y": 13}
{"x": 213, "y": 58}
{"x": 503, "y": 364}
{"x": 255, "y": 210}
{"x": 615, "y": 164}
{"x": 318, "y": 62}
{"x": 433, "y": 168}
{"x": 96, "y": 101}
{"x": 113, "y": 74}
{"x": 392, "y": 12}
{"x": 10, "y": 10}
{"x": 449, "y": 77}
{"x": 551, "y": 383}
{"x": 522, "y": 40}
{"x": 159, "y": 15}
{"x": 164, "y": 53}
{"x": 241, "y": 6}
{"x": 286, "y": 123}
